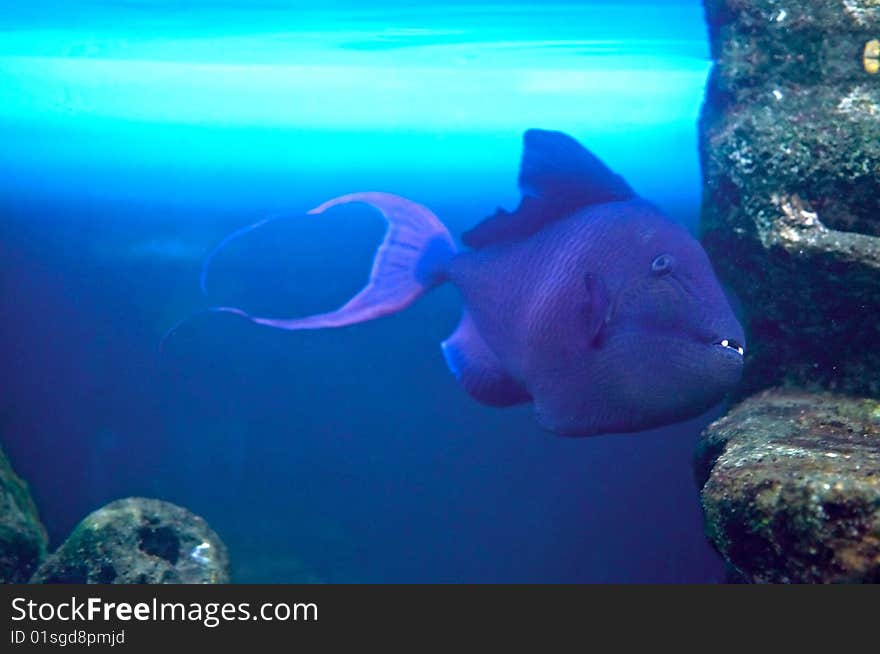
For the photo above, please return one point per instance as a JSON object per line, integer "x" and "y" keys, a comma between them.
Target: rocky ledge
{"x": 791, "y": 488}
{"x": 790, "y": 149}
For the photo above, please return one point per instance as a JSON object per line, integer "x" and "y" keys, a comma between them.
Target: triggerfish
{"x": 586, "y": 301}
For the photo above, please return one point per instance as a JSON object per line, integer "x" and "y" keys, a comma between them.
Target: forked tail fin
{"x": 410, "y": 261}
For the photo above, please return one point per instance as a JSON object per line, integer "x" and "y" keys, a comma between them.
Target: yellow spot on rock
{"x": 871, "y": 56}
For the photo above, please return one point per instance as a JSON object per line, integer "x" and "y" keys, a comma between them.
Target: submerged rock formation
{"x": 791, "y": 488}
{"x": 138, "y": 541}
{"x": 22, "y": 535}
{"x": 790, "y": 148}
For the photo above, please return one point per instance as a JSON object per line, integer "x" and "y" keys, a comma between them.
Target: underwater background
{"x": 136, "y": 135}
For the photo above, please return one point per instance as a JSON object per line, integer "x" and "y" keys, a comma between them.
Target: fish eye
{"x": 662, "y": 264}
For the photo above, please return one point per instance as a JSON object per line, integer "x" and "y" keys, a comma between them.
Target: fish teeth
{"x": 732, "y": 345}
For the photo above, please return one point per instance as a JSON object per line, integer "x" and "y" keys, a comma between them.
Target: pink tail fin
{"x": 410, "y": 261}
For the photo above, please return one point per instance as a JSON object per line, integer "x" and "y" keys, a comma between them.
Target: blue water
{"x": 135, "y": 135}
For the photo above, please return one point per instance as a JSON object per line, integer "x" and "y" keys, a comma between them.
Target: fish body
{"x": 587, "y": 300}
{"x": 585, "y": 327}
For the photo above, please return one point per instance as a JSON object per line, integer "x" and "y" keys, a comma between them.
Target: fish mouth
{"x": 731, "y": 346}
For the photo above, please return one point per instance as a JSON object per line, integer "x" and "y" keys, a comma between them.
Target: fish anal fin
{"x": 478, "y": 369}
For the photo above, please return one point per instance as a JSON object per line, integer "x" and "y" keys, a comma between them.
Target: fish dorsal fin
{"x": 557, "y": 177}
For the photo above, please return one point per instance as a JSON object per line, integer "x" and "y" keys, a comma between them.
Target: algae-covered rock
{"x": 791, "y": 487}
{"x": 802, "y": 41}
{"x": 22, "y": 535}
{"x": 138, "y": 541}
{"x": 790, "y": 149}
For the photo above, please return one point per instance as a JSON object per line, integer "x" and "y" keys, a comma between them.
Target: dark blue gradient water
{"x": 137, "y": 135}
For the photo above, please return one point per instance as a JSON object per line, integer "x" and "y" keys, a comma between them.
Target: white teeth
{"x": 733, "y": 345}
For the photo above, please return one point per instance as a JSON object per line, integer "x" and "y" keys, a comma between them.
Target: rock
{"x": 791, "y": 488}
{"x": 790, "y": 149}
{"x": 138, "y": 541}
{"x": 802, "y": 41}
{"x": 22, "y": 536}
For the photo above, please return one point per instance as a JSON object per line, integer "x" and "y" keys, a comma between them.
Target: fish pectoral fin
{"x": 478, "y": 369}
{"x": 598, "y": 309}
